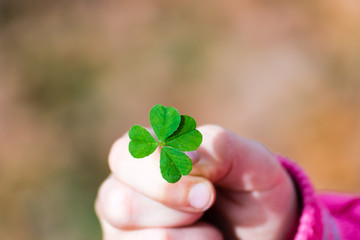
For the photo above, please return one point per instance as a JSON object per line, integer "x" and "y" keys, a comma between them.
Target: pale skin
{"x": 236, "y": 190}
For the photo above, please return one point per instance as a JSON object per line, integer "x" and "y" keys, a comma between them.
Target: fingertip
{"x": 201, "y": 196}
{"x": 193, "y": 155}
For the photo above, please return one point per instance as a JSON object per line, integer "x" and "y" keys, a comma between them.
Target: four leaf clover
{"x": 175, "y": 135}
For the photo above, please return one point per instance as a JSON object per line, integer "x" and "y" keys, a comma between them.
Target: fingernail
{"x": 194, "y": 155}
{"x": 200, "y": 196}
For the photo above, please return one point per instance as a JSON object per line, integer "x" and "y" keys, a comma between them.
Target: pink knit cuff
{"x": 315, "y": 222}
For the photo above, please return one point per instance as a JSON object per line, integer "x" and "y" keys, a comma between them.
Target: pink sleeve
{"x": 345, "y": 209}
{"x": 326, "y": 216}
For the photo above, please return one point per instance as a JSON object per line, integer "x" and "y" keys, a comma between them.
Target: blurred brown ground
{"x": 75, "y": 75}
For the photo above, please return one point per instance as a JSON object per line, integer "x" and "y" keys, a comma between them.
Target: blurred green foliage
{"x": 52, "y": 82}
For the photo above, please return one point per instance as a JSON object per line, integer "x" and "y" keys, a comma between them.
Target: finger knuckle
{"x": 212, "y": 128}
{"x": 117, "y": 205}
{"x": 117, "y": 151}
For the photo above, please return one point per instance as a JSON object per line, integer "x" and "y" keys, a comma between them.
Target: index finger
{"x": 191, "y": 193}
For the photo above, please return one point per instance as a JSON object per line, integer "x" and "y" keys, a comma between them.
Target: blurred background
{"x": 75, "y": 75}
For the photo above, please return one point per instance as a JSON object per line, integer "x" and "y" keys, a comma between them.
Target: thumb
{"x": 255, "y": 197}
{"x": 234, "y": 162}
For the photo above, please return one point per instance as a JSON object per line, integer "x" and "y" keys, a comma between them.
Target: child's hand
{"x": 251, "y": 194}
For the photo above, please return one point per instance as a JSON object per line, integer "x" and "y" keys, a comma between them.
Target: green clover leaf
{"x": 142, "y": 142}
{"x": 164, "y": 121}
{"x": 186, "y": 137}
{"x": 173, "y": 164}
{"x": 175, "y": 133}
